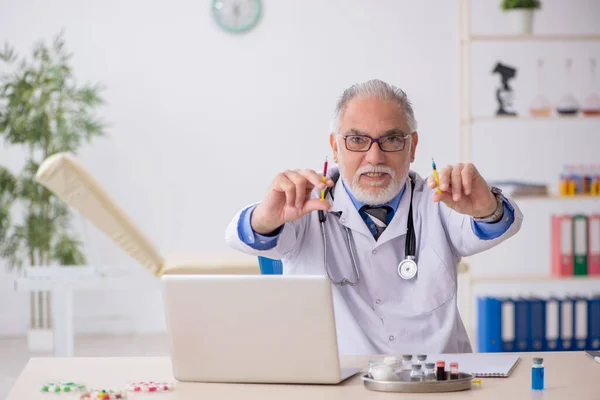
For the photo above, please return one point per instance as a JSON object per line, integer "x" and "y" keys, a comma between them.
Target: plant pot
{"x": 520, "y": 21}
{"x": 40, "y": 340}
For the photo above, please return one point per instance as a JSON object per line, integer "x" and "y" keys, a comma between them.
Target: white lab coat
{"x": 385, "y": 314}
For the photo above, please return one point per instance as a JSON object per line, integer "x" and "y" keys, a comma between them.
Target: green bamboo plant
{"x": 43, "y": 111}
{"x": 516, "y": 4}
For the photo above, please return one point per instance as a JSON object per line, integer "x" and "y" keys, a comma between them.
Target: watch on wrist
{"x": 499, "y": 212}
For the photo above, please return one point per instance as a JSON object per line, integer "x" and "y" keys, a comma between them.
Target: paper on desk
{"x": 480, "y": 364}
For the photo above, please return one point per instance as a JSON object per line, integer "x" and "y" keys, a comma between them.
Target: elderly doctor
{"x": 376, "y": 213}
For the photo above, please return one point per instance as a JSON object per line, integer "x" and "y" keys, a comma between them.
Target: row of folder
{"x": 538, "y": 324}
{"x": 575, "y": 244}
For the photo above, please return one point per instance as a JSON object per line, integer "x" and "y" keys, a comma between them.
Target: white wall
{"x": 211, "y": 117}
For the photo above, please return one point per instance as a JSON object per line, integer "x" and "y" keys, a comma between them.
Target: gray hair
{"x": 379, "y": 89}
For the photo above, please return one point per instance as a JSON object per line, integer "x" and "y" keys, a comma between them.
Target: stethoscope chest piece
{"x": 407, "y": 269}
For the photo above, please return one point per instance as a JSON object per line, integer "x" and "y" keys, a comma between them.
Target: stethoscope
{"x": 407, "y": 268}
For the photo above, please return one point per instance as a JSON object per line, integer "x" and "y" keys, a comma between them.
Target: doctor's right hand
{"x": 288, "y": 199}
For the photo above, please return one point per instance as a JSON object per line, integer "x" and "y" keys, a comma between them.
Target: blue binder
{"x": 522, "y": 338}
{"x": 594, "y": 323}
{"x": 489, "y": 331}
{"x": 537, "y": 324}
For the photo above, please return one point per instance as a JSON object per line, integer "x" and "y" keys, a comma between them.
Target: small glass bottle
{"x": 441, "y": 370}
{"x": 591, "y": 104}
{"x": 586, "y": 180}
{"x": 453, "y": 370}
{"x": 429, "y": 374}
{"x": 537, "y": 374}
{"x": 571, "y": 181}
{"x": 416, "y": 375}
{"x": 421, "y": 360}
{"x": 595, "y": 187}
{"x": 406, "y": 362}
{"x": 564, "y": 181}
{"x": 540, "y": 107}
{"x": 567, "y": 105}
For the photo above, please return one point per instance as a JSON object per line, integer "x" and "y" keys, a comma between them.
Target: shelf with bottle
{"x": 484, "y": 118}
{"x": 579, "y": 180}
{"x": 557, "y": 197}
{"x": 567, "y": 105}
{"x": 532, "y": 38}
{"x": 567, "y": 108}
{"x": 520, "y": 278}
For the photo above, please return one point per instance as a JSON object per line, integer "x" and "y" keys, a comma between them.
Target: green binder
{"x": 580, "y": 244}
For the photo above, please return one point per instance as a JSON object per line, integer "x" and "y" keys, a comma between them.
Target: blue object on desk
{"x": 537, "y": 374}
{"x": 269, "y": 266}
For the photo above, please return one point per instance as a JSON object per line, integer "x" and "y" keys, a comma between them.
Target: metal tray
{"x": 404, "y": 385}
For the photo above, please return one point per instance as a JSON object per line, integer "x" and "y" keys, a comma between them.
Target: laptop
{"x": 252, "y": 329}
{"x": 593, "y": 353}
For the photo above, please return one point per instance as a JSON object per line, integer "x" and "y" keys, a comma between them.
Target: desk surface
{"x": 568, "y": 375}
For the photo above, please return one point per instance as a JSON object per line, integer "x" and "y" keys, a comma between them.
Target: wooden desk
{"x": 572, "y": 375}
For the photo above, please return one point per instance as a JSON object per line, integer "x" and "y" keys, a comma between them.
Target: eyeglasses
{"x": 387, "y": 143}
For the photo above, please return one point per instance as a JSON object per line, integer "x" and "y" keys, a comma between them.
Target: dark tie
{"x": 379, "y": 217}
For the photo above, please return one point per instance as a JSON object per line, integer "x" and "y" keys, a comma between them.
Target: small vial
{"x": 441, "y": 370}
{"x": 564, "y": 185}
{"x": 406, "y": 362}
{"x": 453, "y": 370}
{"x": 416, "y": 375}
{"x": 429, "y": 374}
{"x": 537, "y": 374}
{"x": 587, "y": 184}
{"x": 421, "y": 360}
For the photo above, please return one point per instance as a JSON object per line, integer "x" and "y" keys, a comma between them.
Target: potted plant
{"x": 520, "y": 14}
{"x": 42, "y": 111}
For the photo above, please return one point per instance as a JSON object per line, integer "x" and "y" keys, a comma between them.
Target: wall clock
{"x": 236, "y": 16}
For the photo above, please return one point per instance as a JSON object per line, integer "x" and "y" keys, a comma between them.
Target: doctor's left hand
{"x": 464, "y": 190}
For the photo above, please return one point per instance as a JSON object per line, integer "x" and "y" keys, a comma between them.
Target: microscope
{"x": 504, "y": 94}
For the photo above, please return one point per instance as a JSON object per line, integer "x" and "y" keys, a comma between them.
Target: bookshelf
{"x": 466, "y": 124}
{"x": 493, "y": 118}
{"x": 532, "y": 38}
{"x": 557, "y": 197}
{"x": 531, "y": 278}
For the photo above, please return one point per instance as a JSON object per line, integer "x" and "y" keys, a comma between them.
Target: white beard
{"x": 366, "y": 195}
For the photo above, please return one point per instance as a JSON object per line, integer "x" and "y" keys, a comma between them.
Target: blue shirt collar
{"x": 392, "y": 203}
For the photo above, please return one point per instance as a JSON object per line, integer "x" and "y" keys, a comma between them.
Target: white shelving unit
{"x": 529, "y": 118}
{"x": 532, "y": 38}
{"x": 465, "y": 41}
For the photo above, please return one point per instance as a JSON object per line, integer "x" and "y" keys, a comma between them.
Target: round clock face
{"x": 236, "y": 16}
